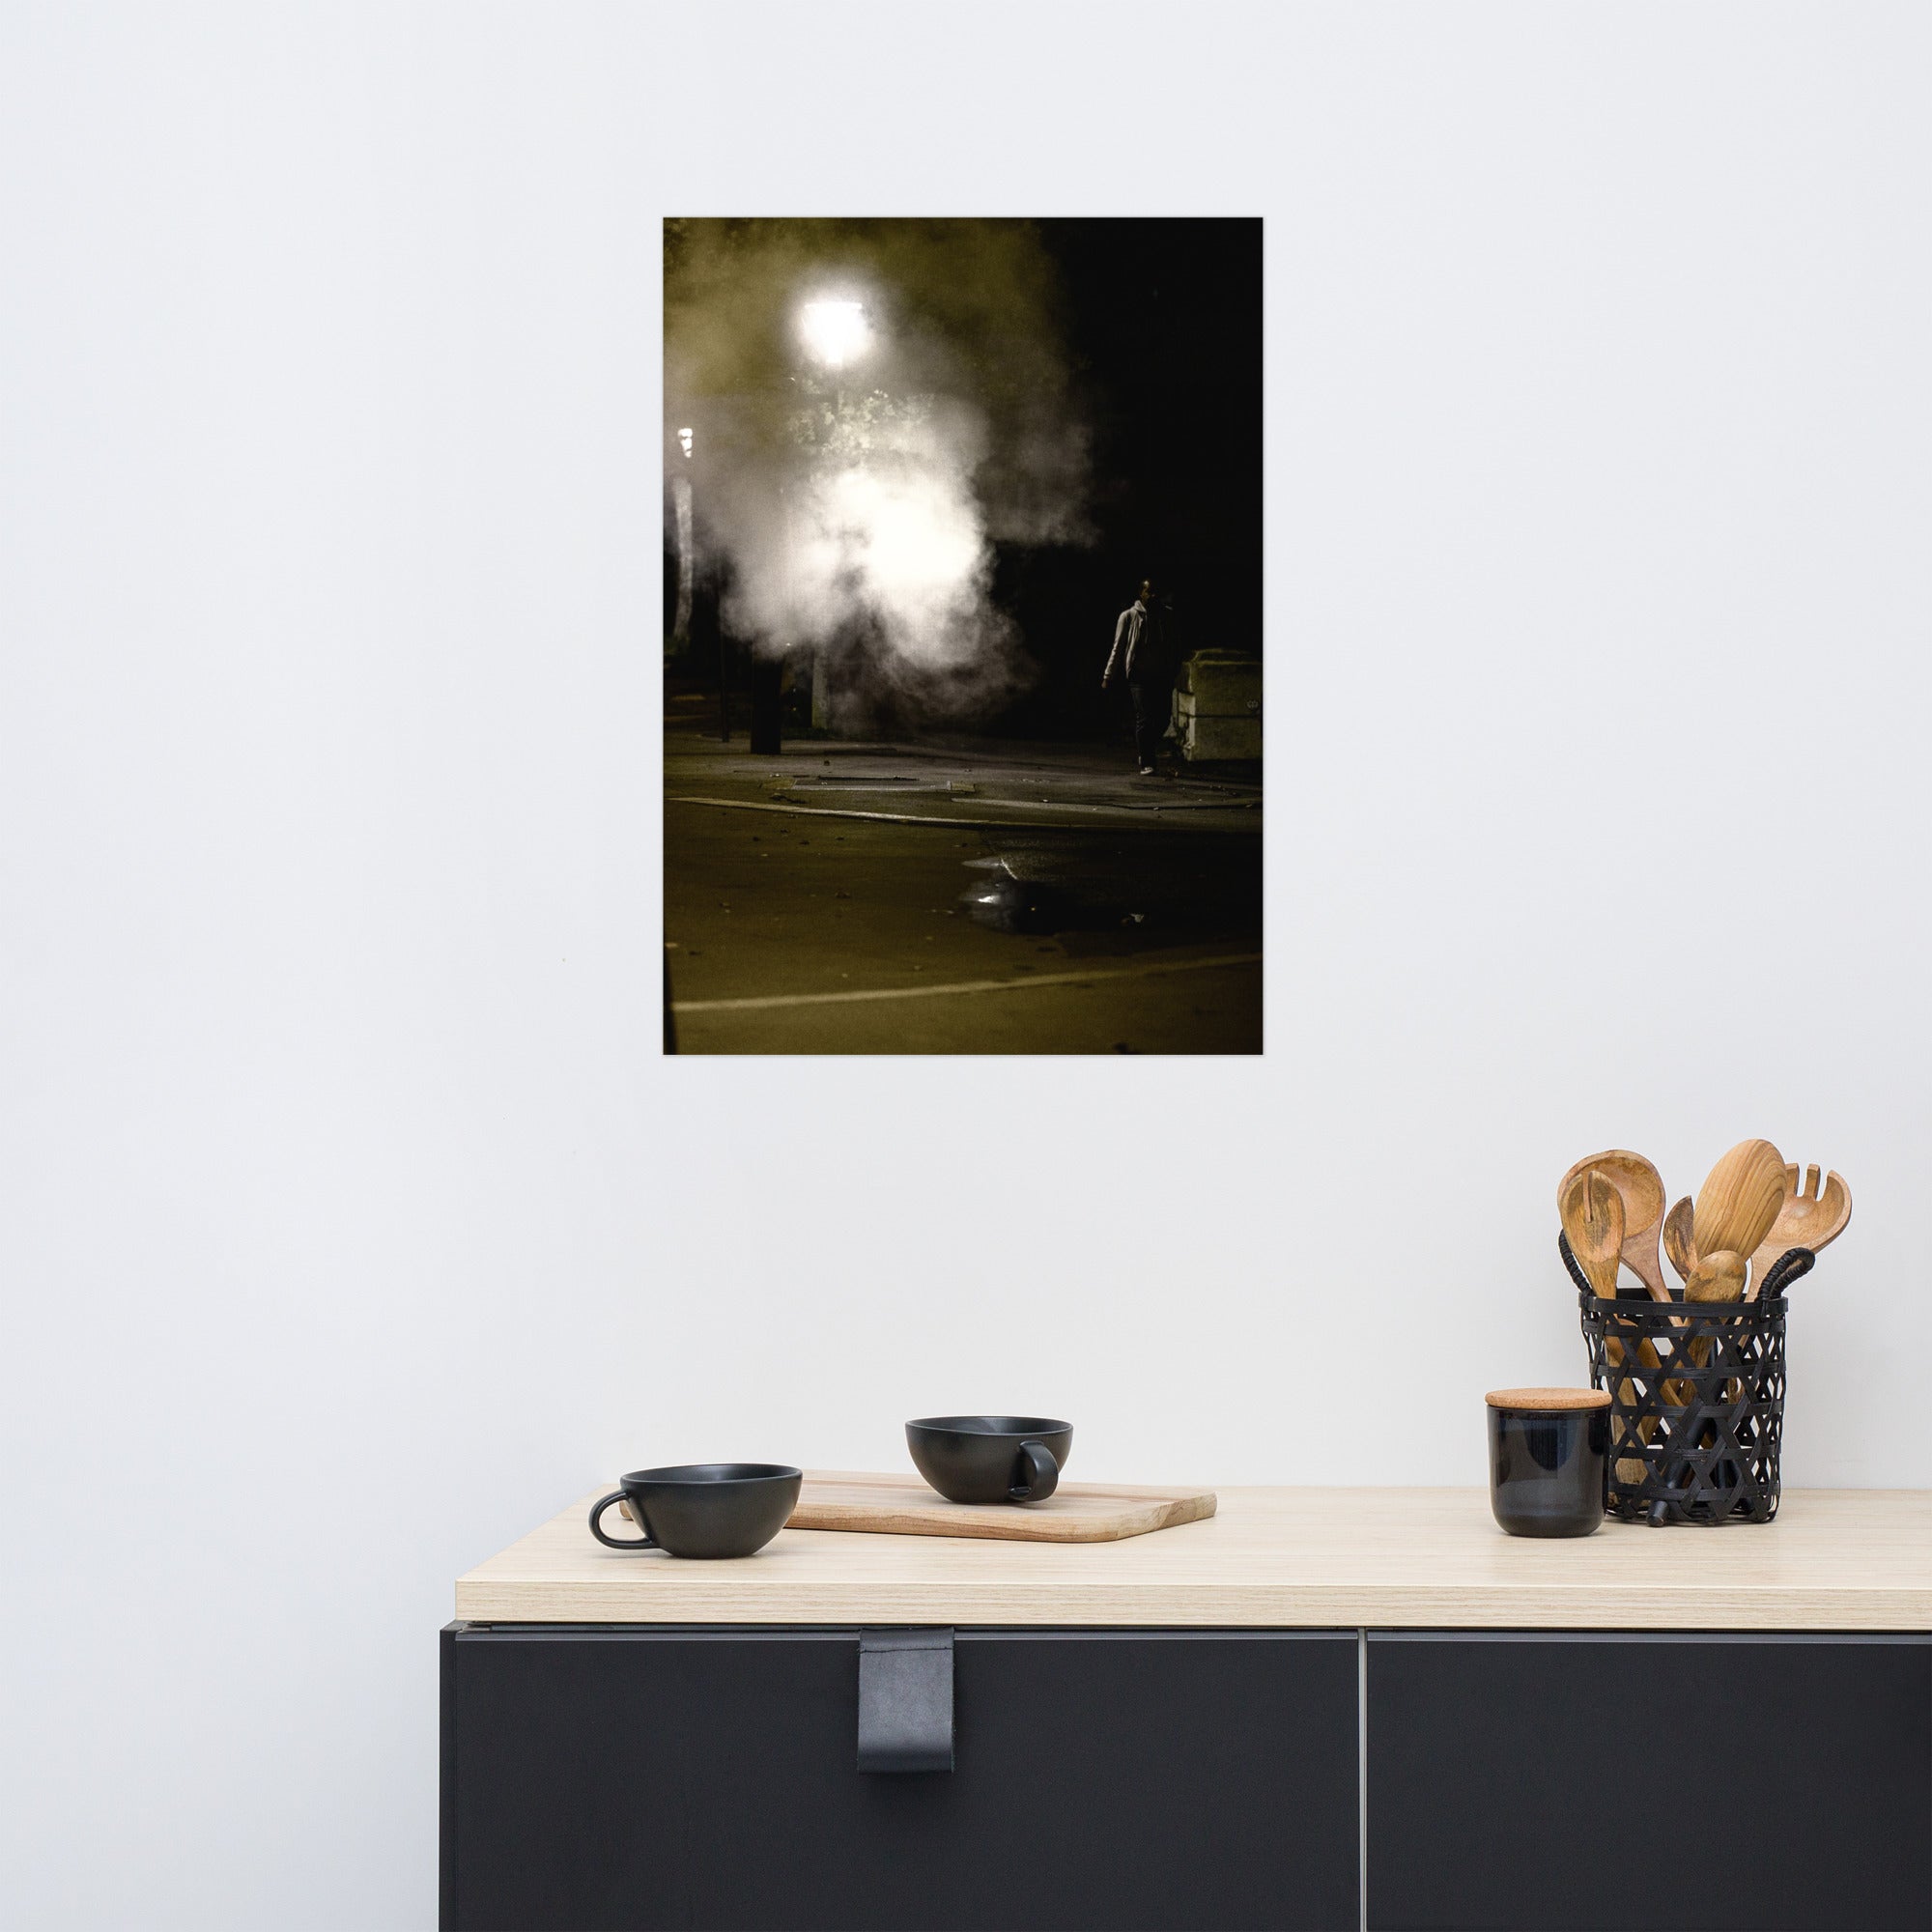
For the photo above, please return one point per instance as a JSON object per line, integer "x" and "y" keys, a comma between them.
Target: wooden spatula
{"x": 1739, "y": 1200}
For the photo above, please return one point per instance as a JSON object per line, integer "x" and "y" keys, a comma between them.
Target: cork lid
{"x": 1549, "y": 1401}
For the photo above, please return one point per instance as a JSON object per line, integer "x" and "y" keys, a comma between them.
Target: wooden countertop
{"x": 1835, "y": 1559}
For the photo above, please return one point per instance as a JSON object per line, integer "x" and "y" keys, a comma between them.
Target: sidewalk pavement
{"x": 991, "y": 785}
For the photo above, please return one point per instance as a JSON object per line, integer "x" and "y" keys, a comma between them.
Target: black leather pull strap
{"x": 905, "y": 1700}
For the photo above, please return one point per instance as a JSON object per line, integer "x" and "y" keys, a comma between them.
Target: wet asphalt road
{"x": 1116, "y": 893}
{"x": 792, "y": 933}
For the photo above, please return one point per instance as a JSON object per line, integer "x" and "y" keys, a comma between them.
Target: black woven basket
{"x": 1696, "y": 1401}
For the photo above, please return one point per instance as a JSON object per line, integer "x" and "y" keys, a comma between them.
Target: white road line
{"x": 1145, "y": 971}
{"x": 828, "y": 811}
{"x": 1087, "y": 805}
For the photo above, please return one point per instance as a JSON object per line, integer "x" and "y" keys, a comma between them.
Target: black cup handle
{"x": 597, "y": 1510}
{"x": 1041, "y": 1477}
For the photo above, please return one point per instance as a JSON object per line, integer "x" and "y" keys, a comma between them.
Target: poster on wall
{"x": 962, "y": 636}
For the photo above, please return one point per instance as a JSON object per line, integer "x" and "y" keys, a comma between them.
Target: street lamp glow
{"x": 834, "y": 331}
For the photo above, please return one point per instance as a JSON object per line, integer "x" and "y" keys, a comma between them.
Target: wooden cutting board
{"x": 1075, "y": 1513}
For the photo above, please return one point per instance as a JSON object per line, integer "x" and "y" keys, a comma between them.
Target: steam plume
{"x": 857, "y": 465}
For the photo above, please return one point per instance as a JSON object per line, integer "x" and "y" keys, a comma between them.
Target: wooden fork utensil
{"x": 1810, "y": 1215}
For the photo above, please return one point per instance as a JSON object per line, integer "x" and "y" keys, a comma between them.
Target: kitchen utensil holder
{"x": 1706, "y": 1419}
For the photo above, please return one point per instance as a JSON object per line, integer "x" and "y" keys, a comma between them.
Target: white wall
{"x": 352, "y": 1222}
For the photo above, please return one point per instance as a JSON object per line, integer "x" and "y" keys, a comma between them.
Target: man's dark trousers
{"x": 1154, "y": 709}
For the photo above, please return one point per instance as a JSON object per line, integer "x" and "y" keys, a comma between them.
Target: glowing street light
{"x": 834, "y": 332}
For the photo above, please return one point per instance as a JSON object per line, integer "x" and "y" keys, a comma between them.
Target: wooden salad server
{"x": 1641, "y": 1188}
{"x": 1592, "y": 1210}
{"x": 1809, "y": 1216}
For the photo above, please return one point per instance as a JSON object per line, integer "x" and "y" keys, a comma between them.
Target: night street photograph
{"x": 962, "y": 636}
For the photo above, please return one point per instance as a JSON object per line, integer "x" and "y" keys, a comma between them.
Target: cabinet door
{"x": 597, "y": 1778}
{"x": 1571, "y": 1782}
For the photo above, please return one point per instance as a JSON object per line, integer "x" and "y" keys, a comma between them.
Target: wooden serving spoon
{"x": 1642, "y": 1187}
{"x": 1809, "y": 1217}
{"x": 1680, "y": 1241}
{"x": 1739, "y": 1200}
{"x": 1716, "y": 1277}
{"x": 1679, "y": 1244}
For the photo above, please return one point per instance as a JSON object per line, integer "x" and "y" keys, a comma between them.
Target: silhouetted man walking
{"x": 1144, "y": 654}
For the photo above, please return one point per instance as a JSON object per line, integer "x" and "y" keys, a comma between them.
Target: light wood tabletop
{"x": 1382, "y": 1558}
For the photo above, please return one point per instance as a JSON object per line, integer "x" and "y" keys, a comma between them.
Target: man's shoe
{"x": 1147, "y": 771}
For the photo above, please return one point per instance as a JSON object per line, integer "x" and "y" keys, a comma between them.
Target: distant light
{"x": 834, "y": 331}
{"x": 684, "y": 437}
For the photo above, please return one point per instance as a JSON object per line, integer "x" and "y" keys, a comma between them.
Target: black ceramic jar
{"x": 1548, "y": 1458}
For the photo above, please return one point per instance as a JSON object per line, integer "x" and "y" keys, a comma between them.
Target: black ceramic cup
{"x": 990, "y": 1458}
{"x": 704, "y": 1509}
{"x": 1548, "y": 1458}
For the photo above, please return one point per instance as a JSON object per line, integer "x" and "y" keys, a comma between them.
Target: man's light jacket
{"x": 1140, "y": 644}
